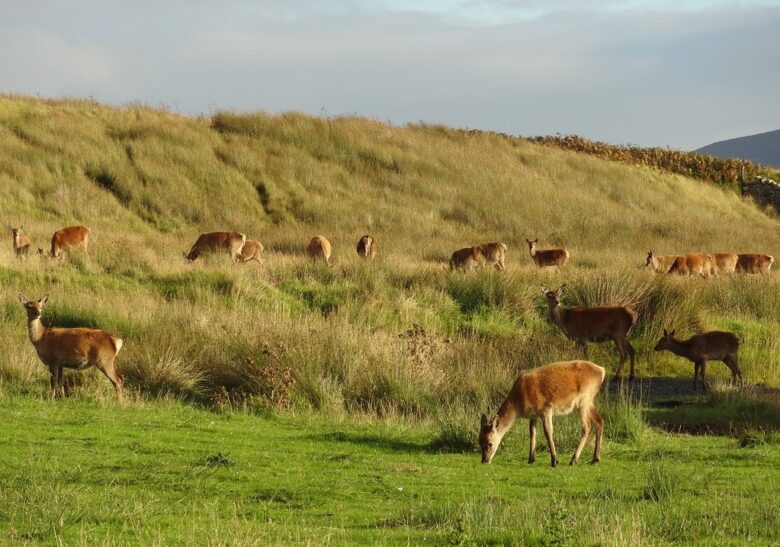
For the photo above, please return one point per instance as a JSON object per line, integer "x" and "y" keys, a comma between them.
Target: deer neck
{"x": 507, "y": 415}
{"x": 681, "y": 348}
{"x": 36, "y": 330}
{"x": 555, "y": 314}
{"x": 532, "y": 250}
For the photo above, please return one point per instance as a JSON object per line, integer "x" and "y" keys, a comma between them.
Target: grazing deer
{"x": 754, "y": 263}
{"x": 724, "y": 263}
{"x": 493, "y": 253}
{"x": 69, "y": 238}
{"x": 21, "y": 242}
{"x": 367, "y": 247}
{"x": 660, "y": 264}
{"x": 722, "y": 346}
{"x": 218, "y": 242}
{"x": 466, "y": 258}
{"x": 693, "y": 264}
{"x": 251, "y": 251}
{"x": 319, "y": 249}
{"x": 78, "y": 348}
{"x": 557, "y": 388}
{"x": 599, "y": 324}
{"x": 547, "y": 257}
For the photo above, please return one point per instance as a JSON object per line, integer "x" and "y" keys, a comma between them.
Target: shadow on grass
{"x": 380, "y": 442}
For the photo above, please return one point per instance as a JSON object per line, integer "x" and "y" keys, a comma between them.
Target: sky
{"x": 678, "y": 73}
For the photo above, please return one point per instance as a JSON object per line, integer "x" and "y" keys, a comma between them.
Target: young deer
{"x": 660, "y": 264}
{"x": 21, "y": 242}
{"x": 466, "y": 258}
{"x": 547, "y": 257}
{"x": 724, "y": 263}
{"x": 754, "y": 263}
{"x": 557, "y": 388}
{"x": 693, "y": 264}
{"x": 78, "y": 348}
{"x": 722, "y": 346}
{"x": 218, "y": 242}
{"x": 367, "y": 247}
{"x": 493, "y": 253}
{"x": 319, "y": 249}
{"x": 69, "y": 238}
{"x": 599, "y": 324}
{"x": 251, "y": 251}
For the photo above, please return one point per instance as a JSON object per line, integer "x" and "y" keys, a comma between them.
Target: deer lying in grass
{"x": 492, "y": 253}
{"x": 547, "y": 257}
{"x": 724, "y": 263}
{"x": 367, "y": 247}
{"x": 251, "y": 251}
{"x": 69, "y": 238}
{"x": 599, "y": 324}
{"x": 722, "y": 346}
{"x": 466, "y": 258}
{"x": 693, "y": 264}
{"x": 754, "y": 263}
{"x": 78, "y": 348}
{"x": 660, "y": 264}
{"x": 557, "y": 388}
{"x": 218, "y": 242}
{"x": 319, "y": 249}
{"x": 21, "y": 242}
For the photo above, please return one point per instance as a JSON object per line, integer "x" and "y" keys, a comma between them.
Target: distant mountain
{"x": 763, "y": 148}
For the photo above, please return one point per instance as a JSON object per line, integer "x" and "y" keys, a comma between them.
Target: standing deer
{"x": 599, "y": 324}
{"x": 660, "y": 264}
{"x": 493, "y": 253}
{"x": 466, "y": 258}
{"x": 69, "y": 238}
{"x": 218, "y": 242}
{"x": 251, "y": 251}
{"x": 557, "y": 388}
{"x": 319, "y": 249}
{"x": 78, "y": 348}
{"x": 754, "y": 263}
{"x": 693, "y": 264}
{"x": 21, "y": 242}
{"x": 547, "y": 257}
{"x": 367, "y": 247}
{"x": 723, "y": 346}
{"x": 724, "y": 263}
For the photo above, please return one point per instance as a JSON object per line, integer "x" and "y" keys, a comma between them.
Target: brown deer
{"x": 69, "y": 238}
{"x": 78, "y": 348}
{"x": 367, "y": 247}
{"x": 557, "y": 388}
{"x": 319, "y": 249}
{"x": 722, "y": 346}
{"x": 251, "y": 251}
{"x": 466, "y": 258}
{"x": 754, "y": 263}
{"x": 693, "y": 264}
{"x": 547, "y": 257}
{"x": 599, "y": 324}
{"x": 218, "y": 242}
{"x": 21, "y": 242}
{"x": 724, "y": 263}
{"x": 660, "y": 264}
{"x": 492, "y": 253}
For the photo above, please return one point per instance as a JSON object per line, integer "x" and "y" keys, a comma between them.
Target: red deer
{"x": 69, "y": 238}
{"x": 319, "y": 249}
{"x": 367, "y": 247}
{"x": 724, "y": 263}
{"x": 21, "y": 243}
{"x": 218, "y": 242}
{"x": 557, "y": 388}
{"x": 693, "y": 264}
{"x": 547, "y": 257}
{"x": 493, "y": 253}
{"x": 660, "y": 264}
{"x": 78, "y": 348}
{"x": 722, "y": 346}
{"x": 599, "y": 324}
{"x": 251, "y": 251}
{"x": 754, "y": 263}
{"x": 466, "y": 258}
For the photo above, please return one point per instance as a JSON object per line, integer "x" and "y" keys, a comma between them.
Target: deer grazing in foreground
{"x": 69, "y": 238}
{"x": 251, "y": 251}
{"x": 660, "y": 264}
{"x": 557, "y": 388}
{"x": 466, "y": 258}
{"x": 218, "y": 242}
{"x": 319, "y": 249}
{"x": 367, "y": 247}
{"x": 599, "y": 324}
{"x": 754, "y": 263}
{"x": 492, "y": 253}
{"x": 78, "y": 348}
{"x": 693, "y": 264}
{"x": 21, "y": 242}
{"x": 722, "y": 346}
{"x": 547, "y": 257}
{"x": 724, "y": 263}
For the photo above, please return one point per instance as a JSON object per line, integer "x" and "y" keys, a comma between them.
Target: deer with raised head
{"x": 77, "y": 348}
{"x": 754, "y": 263}
{"x": 722, "y": 346}
{"x": 724, "y": 263}
{"x": 69, "y": 238}
{"x": 218, "y": 242}
{"x": 319, "y": 249}
{"x": 466, "y": 258}
{"x": 547, "y": 257}
{"x": 492, "y": 253}
{"x": 660, "y": 264}
{"x": 367, "y": 247}
{"x": 557, "y": 388}
{"x": 251, "y": 251}
{"x": 693, "y": 264}
{"x": 21, "y": 242}
{"x": 598, "y": 324}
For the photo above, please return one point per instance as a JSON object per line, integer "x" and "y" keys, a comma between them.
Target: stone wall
{"x": 763, "y": 191}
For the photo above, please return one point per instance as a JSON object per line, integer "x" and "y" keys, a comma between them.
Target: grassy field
{"x": 383, "y": 367}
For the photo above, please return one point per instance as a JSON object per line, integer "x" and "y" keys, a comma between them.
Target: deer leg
{"x": 532, "y": 432}
{"x": 548, "y": 432}
{"x": 696, "y": 366}
{"x": 622, "y": 352}
{"x": 703, "y": 376}
{"x": 584, "y": 345}
{"x": 61, "y": 382}
{"x": 53, "y": 381}
{"x": 114, "y": 376}
{"x": 732, "y": 361}
{"x": 627, "y": 345}
{"x": 585, "y": 419}
{"x": 598, "y": 423}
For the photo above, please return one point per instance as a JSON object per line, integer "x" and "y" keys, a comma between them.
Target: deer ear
{"x": 561, "y": 289}
{"x": 483, "y": 422}
{"x": 672, "y": 333}
{"x": 494, "y": 423}
{"x": 23, "y": 299}
{"x": 43, "y": 299}
{"x": 666, "y": 333}
{"x": 544, "y": 289}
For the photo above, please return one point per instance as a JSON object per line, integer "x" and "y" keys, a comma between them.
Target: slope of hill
{"x": 762, "y": 148}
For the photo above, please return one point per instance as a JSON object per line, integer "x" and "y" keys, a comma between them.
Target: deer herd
{"x": 557, "y": 388}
